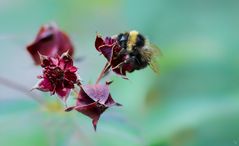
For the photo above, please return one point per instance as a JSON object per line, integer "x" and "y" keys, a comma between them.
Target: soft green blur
{"x": 193, "y": 102}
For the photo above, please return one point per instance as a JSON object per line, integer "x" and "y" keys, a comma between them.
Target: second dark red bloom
{"x": 50, "y": 41}
{"x": 111, "y": 51}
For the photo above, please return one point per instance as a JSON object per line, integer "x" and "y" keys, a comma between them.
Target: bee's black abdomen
{"x": 137, "y": 61}
{"x": 140, "y": 63}
{"x": 140, "y": 41}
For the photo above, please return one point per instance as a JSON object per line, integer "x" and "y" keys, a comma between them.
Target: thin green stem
{"x": 20, "y": 88}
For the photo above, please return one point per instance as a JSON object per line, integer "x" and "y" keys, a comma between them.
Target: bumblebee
{"x": 141, "y": 53}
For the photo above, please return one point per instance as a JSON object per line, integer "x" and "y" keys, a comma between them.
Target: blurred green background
{"x": 194, "y": 101}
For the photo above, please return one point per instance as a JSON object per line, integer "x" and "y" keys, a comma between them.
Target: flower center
{"x": 55, "y": 75}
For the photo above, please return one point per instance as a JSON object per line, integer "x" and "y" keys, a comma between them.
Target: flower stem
{"x": 21, "y": 88}
{"x": 102, "y": 74}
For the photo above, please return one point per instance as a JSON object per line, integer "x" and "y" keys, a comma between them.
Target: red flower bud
{"x": 50, "y": 41}
{"x": 93, "y": 100}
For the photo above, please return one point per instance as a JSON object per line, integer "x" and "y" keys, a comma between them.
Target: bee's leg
{"x": 124, "y": 62}
{"x": 121, "y": 70}
{"x": 133, "y": 59}
{"x": 119, "y": 65}
{"x": 122, "y": 51}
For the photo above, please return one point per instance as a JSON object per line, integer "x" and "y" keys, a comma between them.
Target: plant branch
{"x": 102, "y": 74}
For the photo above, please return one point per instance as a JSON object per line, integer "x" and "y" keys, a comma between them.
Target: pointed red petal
{"x": 107, "y": 51}
{"x": 63, "y": 93}
{"x": 98, "y": 42}
{"x": 94, "y": 122}
{"x": 93, "y": 110}
{"x": 45, "y": 85}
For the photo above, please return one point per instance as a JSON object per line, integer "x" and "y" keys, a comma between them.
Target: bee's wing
{"x": 154, "y": 65}
{"x": 156, "y": 49}
{"x": 152, "y": 54}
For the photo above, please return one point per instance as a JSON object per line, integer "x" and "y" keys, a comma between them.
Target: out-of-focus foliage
{"x": 194, "y": 101}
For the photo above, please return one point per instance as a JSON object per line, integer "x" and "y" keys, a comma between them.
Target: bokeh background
{"x": 194, "y": 101}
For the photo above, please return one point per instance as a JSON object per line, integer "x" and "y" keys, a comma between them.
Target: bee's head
{"x": 122, "y": 39}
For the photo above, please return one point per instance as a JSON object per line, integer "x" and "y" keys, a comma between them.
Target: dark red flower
{"x": 59, "y": 75}
{"x": 111, "y": 51}
{"x": 93, "y": 100}
{"x": 50, "y": 41}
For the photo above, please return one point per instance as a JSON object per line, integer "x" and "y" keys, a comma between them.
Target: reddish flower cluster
{"x": 50, "y": 41}
{"x": 111, "y": 51}
{"x": 59, "y": 75}
{"x": 53, "y": 49}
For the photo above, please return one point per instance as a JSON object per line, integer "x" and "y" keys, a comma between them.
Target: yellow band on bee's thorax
{"x": 132, "y": 39}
